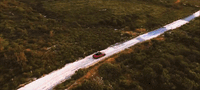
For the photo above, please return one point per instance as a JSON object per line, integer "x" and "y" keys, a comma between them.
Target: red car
{"x": 98, "y": 55}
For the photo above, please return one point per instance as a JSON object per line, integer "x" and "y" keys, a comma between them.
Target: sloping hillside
{"x": 39, "y": 36}
{"x": 168, "y": 64}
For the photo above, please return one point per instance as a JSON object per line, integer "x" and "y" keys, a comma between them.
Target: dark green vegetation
{"x": 72, "y": 28}
{"x": 173, "y": 64}
{"x": 79, "y": 74}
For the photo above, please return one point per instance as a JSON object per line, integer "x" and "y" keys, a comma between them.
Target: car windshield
{"x": 98, "y": 53}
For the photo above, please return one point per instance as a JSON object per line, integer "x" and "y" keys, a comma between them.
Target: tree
{"x": 89, "y": 85}
{"x": 21, "y": 58}
{"x": 148, "y": 74}
{"x": 3, "y": 43}
{"x": 79, "y": 73}
{"x": 109, "y": 71}
{"x": 157, "y": 67}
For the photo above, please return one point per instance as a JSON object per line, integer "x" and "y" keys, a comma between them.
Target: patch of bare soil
{"x": 160, "y": 38}
{"x": 127, "y": 51}
{"x": 178, "y": 1}
{"x": 140, "y": 30}
{"x": 28, "y": 50}
{"x": 130, "y": 33}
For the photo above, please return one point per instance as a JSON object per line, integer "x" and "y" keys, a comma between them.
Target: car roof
{"x": 98, "y": 52}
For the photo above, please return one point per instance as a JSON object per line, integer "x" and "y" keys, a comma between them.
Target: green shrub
{"x": 89, "y": 85}
{"x": 109, "y": 71}
{"x": 78, "y": 74}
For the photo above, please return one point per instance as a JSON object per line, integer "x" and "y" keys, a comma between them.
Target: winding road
{"x": 52, "y": 79}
